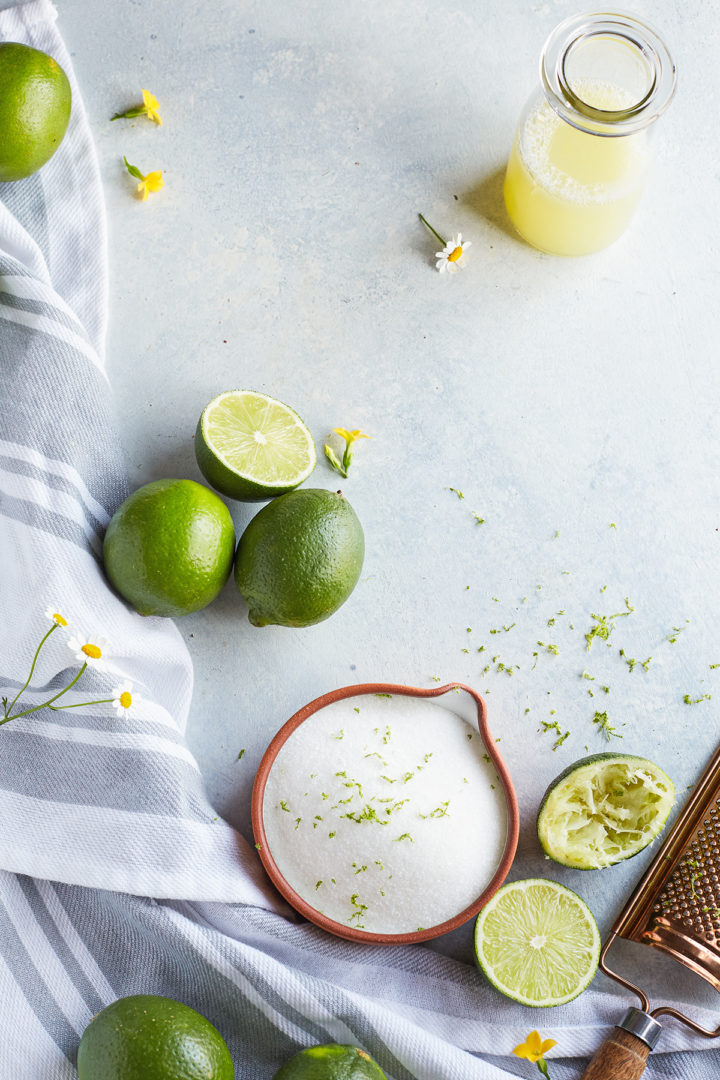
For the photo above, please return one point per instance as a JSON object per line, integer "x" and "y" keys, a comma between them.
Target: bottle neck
{"x": 607, "y": 74}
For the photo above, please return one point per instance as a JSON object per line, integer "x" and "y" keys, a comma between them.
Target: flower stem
{"x": 139, "y": 110}
{"x": 44, "y": 705}
{"x": 79, "y": 704}
{"x": 22, "y": 690}
{"x": 437, "y": 234}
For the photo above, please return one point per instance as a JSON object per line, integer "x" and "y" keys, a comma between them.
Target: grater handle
{"x": 622, "y": 1056}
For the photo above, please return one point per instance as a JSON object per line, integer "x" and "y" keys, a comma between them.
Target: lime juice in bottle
{"x": 583, "y": 147}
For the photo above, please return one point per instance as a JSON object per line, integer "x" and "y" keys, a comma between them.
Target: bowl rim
{"x": 350, "y": 933}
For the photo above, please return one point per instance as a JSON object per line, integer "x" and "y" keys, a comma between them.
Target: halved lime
{"x": 537, "y": 942}
{"x": 603, "y": 809}
{"x": 250, "y": 446}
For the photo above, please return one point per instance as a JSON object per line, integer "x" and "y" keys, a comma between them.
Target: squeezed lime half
{"x": 603, "y": 809}
{"x": 537, "y": 942}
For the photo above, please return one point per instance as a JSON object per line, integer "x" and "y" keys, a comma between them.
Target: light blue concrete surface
{"x": 573, "y": 402}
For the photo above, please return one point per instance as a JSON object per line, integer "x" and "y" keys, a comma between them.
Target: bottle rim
{"x": 628, "y": 30}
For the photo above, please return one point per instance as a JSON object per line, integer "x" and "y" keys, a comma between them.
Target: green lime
{"x": 251, "y": 447}
{"x": 35, "y": 102}
{"x": 331, "y": 1062}
{"x": 146, "y": 1037}
{"x": 169, "y": 547}
{"x": 537, "y": 942}
{"x": 299, "y": 558}
{"x": 603, "y": 809}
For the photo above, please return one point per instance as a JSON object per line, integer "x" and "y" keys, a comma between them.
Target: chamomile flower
{"x": 56, "y": 617}
{"x": 122, "y": 698}
{"x": 452, "y": 256}
{"x": 89, "y": 651}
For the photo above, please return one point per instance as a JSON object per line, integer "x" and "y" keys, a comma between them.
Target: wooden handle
{"x": 621, "y": 1057}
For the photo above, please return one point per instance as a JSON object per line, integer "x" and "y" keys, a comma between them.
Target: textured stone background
{"x": 300, "y": 142}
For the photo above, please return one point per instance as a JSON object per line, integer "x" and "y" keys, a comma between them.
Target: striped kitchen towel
{"x": 116, "y": 876}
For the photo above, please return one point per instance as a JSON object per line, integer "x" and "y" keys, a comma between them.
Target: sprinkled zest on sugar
{"x": 284, "y": 806}
{"x": 478, "y": 521}
{"x": 696, "y": 701}
{"x": 713, "y": 666}
{"x": 339, "y": 734}
{"x": 318, "y": 884}
{"x": 297, "y": 823}
{"x": 405, "y": 836}
{"x": 455, "y": 492}
{"x": 368, "y": 813}
{"x": 355, "y": 708}
{"x": 439, "y": 811}
{"x": 240, "y": 755}
{"x": 359, "y": 911}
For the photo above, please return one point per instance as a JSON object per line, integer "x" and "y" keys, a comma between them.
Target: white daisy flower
{"x": 452, "y": 256}
{"x": 91, "y": 652}
{"x": 122, "y": 698}
{"x": 56, "y": 617}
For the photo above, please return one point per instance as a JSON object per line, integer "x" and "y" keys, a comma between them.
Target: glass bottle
{"x": 583, "y": 146}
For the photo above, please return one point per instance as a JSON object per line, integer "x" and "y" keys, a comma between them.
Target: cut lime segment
{"x": 252, "y": 447}
{"x": 603, "y": 809}
{"x": 537, "y": 942}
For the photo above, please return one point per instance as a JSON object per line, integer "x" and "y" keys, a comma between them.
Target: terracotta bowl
{"x": 467, "y": 704}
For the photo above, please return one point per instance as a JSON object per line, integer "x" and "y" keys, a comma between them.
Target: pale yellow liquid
{"x": 568, "y": 192}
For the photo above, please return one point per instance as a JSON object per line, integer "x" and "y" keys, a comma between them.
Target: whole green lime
{"x": 299, "y": 558}
{"x": 35, "y": 102}
{"x": 146, "y": 1037}
{"x": 169, "y": 548}
{"x": 331, "y": 1062}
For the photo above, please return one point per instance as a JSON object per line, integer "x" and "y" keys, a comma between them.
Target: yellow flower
{"x": 350, "y": 436}
{"x": 534, "y": 1048}
{"x": 152, "y": 105}
{"x": 152, "y": 182}
{"x": 148, "y": 108}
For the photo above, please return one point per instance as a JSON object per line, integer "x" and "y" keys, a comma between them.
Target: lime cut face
{"x": 250, "y": 446}
{"x": 604, "y": 809}
{"x": 537, "y": 942}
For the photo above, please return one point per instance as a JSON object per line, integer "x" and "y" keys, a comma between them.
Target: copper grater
{"x": 675, "y": 908}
